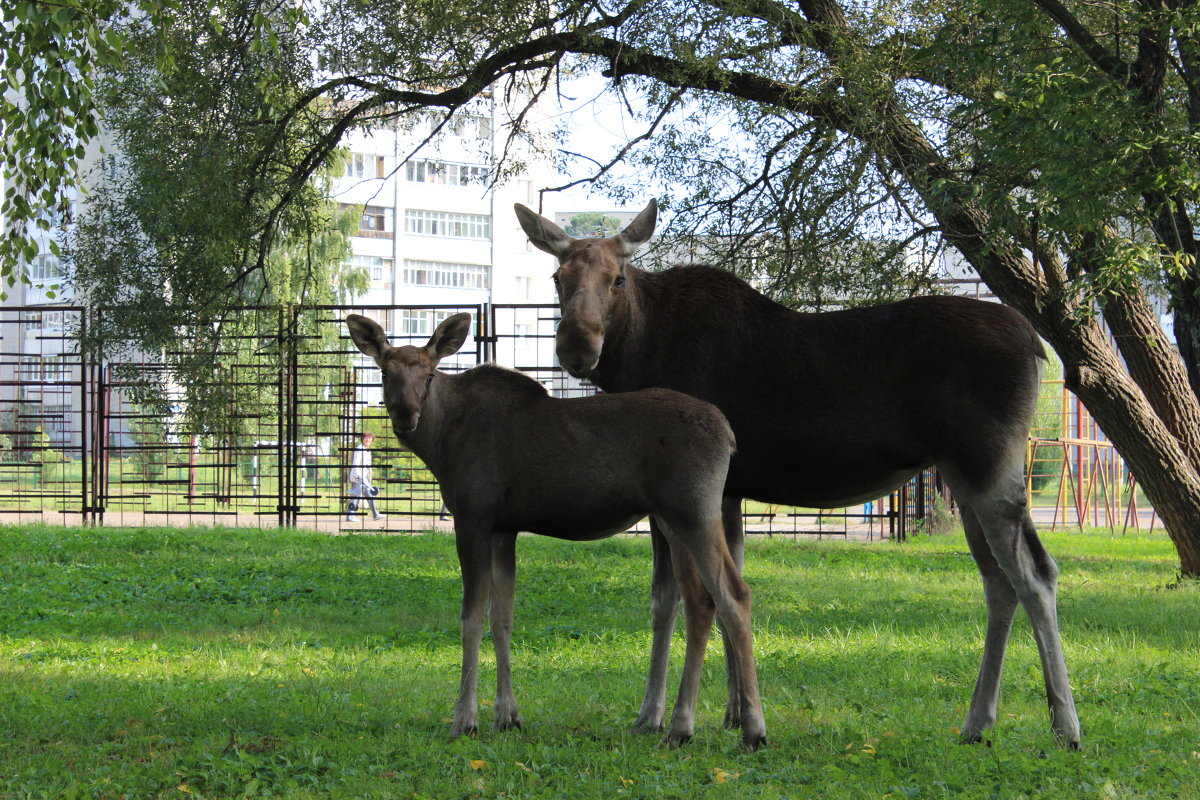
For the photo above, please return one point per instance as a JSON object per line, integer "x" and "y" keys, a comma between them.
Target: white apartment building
{"x": 434, "y": 230}
{"x": 39, "y": 364}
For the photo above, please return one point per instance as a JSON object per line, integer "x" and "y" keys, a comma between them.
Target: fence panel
{"x": 82, "y": 442}
{"x": 44, "y": 416}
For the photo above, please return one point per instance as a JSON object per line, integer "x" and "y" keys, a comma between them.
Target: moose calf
{"x": 510, "y": 458}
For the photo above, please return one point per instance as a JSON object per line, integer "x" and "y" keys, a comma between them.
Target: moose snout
{"x": 404, "y": 427}
{"x": 579, "y": 366}
{"x": 404, "y": 420}
{"x": 578, "y": 351}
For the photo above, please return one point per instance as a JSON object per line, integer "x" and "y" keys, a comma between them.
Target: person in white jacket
{"x": 360, "y": 479}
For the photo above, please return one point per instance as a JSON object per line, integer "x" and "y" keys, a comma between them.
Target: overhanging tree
{"x": 1053, "y": 144}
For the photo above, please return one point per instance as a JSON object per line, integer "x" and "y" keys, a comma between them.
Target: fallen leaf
{"x": 721, "y": 776}
{"x": 478, "y": 763}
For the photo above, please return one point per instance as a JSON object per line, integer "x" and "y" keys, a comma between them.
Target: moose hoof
{"x": 507, "y": 724}
{"x": 733, "y": 720}
{"x": 971, "y": 738}
{"x": 457, "y": 730}
{"x": 751, "y": 744}
{"x": 641, "y": 727}
{"x": 675, "y": 740}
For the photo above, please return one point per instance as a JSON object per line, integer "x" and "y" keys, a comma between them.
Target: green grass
{"x": 216, "y": 663}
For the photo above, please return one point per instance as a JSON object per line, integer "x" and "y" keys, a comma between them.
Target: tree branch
{"x": 1078, "y": 33}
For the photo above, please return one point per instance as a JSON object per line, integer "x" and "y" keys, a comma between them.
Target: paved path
{"x": 782, "y": 525}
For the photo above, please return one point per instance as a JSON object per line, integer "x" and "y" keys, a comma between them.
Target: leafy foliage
{"x": 180, "y": 229}
{"x": 592, "y": 223}
{"x": 1054, "y": 146}
{"x": 51, "y": 55}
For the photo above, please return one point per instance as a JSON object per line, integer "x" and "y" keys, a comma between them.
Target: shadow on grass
{"x": 156, "y": 583}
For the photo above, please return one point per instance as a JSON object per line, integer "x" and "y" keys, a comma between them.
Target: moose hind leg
{"x": 716, "y": 581}
{"x": 664, "y": 607}
{"x": 1001, "y": 602}
{"x": 731, "y": 518}
{"x": 1013, "y": 541}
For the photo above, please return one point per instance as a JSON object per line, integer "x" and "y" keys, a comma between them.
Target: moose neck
{"x": 434, "y": 435}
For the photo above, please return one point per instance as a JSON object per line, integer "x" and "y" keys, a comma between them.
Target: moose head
{"x": 409, "y": 372}
{"x": 590, "y": 278}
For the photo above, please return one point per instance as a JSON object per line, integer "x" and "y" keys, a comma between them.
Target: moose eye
{"x": 620, "y": 281}
{"x": 555, "y": 279}
{"x": 429, "y": 379}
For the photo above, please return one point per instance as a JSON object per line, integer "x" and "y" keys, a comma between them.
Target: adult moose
{"x": 510, "y": 458}
{"x": 829, "y": 409}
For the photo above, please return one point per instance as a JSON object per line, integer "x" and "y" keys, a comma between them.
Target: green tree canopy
{"x": 1052, "y": 144}
{"x": 592, "y": 223}
{"x": 182, "y": 226}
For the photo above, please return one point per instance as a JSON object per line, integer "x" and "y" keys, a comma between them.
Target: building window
{"x": 418, "y": 323}
{"x": 374, "y": 218}
{"x": 445, "y": 173}
{"x": 110, "y": 168}
{"x": 378, "y": 269}
{"x": 56, "y": 369}
{"x": 58, "y": 217}
{"x": 445, "y": 275}
{"x": 45, "y": 269}
{"x": 365, "y": 165}
{"x": 471, "y": 126}
{"x": 48, "y": 368}
{"x": 47, "y": 322}
{"x": 376, "y": 222}
{"x": 443, "y": 223}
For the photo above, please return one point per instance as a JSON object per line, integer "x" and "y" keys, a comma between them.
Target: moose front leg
{"x": 504, "y": 573}
{"x": 664, "y": 606}
{"x": 698, "y": 616}
{"x": 474, "y": 558}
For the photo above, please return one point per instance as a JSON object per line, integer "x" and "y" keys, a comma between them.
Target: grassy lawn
{"x": 197, "y": 663}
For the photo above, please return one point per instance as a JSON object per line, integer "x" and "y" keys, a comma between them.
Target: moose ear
{"x": 640, "y": 230}
{"x": 544, "y": 234}
{"x": 449, "y": 336}
{"x": 368, "y": 337}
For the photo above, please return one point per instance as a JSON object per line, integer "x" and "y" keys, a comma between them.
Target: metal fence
{"x": 80, "y": 443}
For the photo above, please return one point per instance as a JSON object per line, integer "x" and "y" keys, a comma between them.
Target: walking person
{"x": 360, "y": 479}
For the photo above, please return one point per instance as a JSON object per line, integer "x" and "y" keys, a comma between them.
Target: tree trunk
{"x": 1156, "y": 367}
{"x": 1154, "y": 456}
{"x": 1157, "y": 450}
{"x": 1187, "y": 328}
{"x": 1162, "y": 451}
